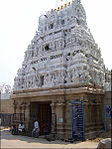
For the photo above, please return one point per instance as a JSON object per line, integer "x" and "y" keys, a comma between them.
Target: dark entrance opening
{"x": 40, "y": 111}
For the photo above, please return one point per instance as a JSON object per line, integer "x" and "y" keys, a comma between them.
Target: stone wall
{"x": 107, "y": 99}
{"x": 61, "y": 100}
{"x": 6, "y": 106}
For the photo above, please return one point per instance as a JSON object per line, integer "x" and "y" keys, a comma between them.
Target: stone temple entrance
{"x": 40, "y": 111}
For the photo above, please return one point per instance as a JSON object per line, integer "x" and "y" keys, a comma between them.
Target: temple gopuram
{"x": 62, "y": 77}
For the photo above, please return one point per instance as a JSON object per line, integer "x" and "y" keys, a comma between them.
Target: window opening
{"x": 63, "y": 22}
{"x": 32, "y": 54}
{"x": 78, "y": 22}
{"x": 68, "y": 54}
{"x": 51, "y": 26}
{"x": 47, "y": 47}
{"x": 42, "y": 80}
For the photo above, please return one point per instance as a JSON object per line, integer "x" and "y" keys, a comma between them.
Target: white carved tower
{"x": 62, "y": 52}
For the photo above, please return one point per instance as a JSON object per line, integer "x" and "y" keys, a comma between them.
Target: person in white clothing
{"x": 36, "y": 129}
{"x": 21, "y": 128}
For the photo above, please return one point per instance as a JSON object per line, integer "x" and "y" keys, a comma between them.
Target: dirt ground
{"x": 16, "y": 141}
{"x": 101, "y": 136}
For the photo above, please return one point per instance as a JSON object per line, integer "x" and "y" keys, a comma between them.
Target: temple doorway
{"x": 40, "y": 111}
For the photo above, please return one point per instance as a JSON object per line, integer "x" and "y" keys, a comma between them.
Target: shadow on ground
{"x": 6, "y": 134}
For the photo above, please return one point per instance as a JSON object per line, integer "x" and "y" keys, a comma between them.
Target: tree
{"x": 5, "y": 88}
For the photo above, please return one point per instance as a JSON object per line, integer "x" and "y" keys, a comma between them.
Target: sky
{"x": 19, "y": 22}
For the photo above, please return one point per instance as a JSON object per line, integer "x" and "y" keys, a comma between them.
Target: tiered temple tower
{"x": 62, "y": 64}
{"x": 63, "y": 51}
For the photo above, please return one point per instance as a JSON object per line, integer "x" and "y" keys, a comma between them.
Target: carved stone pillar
{"x": 53, "y": 107}
{"x": 27, "y": 114}
{"x": 60, "y": 108}
{"x": 15, "y": 106}
{"x": 68, "y": 113}
{"x": 20, "y": 109}
{"x": 60, "y": 112}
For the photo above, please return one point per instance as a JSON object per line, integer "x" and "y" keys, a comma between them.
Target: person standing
{"x": 36, "y": 129}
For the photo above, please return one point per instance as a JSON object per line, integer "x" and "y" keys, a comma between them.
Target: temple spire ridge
{"x": 78, "y": 1}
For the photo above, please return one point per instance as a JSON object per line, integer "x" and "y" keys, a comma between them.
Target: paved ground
{"x": 10, "y": 141}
